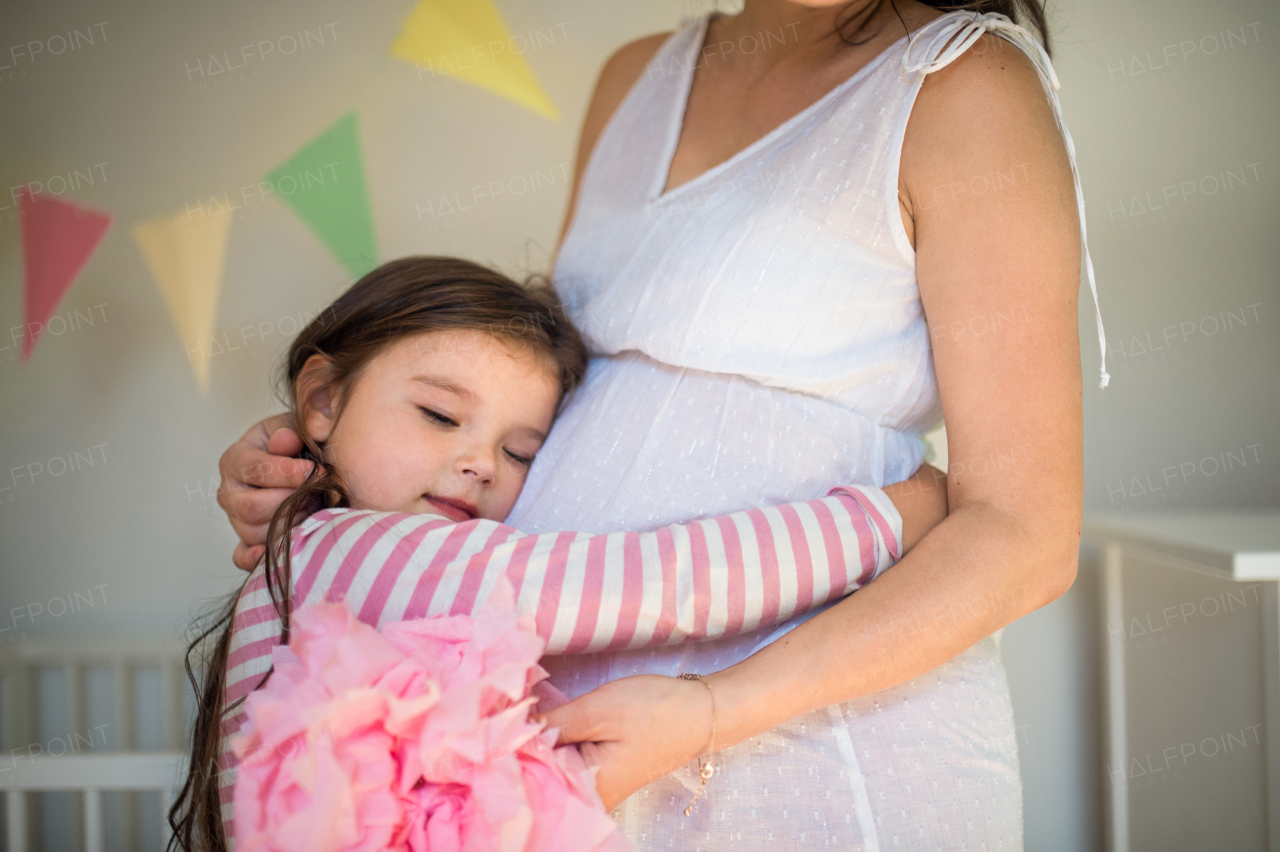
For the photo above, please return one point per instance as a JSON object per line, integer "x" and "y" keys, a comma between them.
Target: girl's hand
{"x": 636, "y": 729}
{"x": 257, "y": 474}
{"x": 921, "y": 501}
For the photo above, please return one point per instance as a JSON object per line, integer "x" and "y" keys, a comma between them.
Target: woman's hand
{"x": 636, "y": 729}
{"x": 257, "y": 474}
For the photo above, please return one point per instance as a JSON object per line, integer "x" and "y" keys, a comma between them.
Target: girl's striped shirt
{"x": 685, "y": 582}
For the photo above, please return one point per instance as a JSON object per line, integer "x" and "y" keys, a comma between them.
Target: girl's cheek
{"x": 514, "y": 493}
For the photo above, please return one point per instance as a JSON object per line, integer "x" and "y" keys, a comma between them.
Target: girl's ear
{"x": 316, "y": 398}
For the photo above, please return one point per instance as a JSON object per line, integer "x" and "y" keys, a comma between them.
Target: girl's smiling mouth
{"x": 454, "y": 510}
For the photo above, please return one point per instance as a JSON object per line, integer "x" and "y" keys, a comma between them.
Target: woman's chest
{"x": 733, "y": 100}
{"x": 784, "y": 250}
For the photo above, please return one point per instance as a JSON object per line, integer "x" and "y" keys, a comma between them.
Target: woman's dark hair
{"x": 1028, "y": 13}
{"x": 398, "y": 300}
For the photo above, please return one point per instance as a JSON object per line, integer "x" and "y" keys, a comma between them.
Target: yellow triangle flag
{"x": 185, "y": 254}
{"x": 468, "y": 39}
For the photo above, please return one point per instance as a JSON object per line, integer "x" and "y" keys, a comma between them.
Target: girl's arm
{"x": 700, "y": 580}
{"x": 685, "y": 582}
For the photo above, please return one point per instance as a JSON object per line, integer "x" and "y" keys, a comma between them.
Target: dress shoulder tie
{"x": 944, "y": 40}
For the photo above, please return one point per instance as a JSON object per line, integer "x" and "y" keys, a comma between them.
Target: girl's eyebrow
{"x": 540, "y": 436}
{"x": 444, "y": 385}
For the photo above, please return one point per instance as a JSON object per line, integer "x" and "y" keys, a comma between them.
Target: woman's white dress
{"x": 758, "y": 337}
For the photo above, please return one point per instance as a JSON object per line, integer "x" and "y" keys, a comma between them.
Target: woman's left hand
{"x": 636, "y": 729}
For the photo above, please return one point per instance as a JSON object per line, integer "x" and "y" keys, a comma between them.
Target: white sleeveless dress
{"x": 758, "y": 337}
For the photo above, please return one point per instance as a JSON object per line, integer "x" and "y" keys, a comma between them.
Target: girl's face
{"x": 445, "y": 423}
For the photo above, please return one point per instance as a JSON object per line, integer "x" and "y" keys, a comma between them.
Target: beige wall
{"x": 1195, "y": 113}
{"x": 139, "y": 529}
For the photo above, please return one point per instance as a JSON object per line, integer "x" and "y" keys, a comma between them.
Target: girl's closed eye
{"x": 525, "y": 461}
{"x": 442, "y": 419}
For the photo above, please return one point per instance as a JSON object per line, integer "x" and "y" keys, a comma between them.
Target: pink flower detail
{"x": 416, "y": 737}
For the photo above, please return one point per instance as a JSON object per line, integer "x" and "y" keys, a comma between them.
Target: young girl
{"x": 424, "y": 393}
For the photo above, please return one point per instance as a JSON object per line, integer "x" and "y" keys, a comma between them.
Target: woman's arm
{"x": 1011, "y": 397}
{"x": 1012, "y": 402}
{"x": 618, "y": 75}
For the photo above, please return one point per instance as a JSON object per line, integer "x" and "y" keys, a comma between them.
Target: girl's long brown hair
{"x": 400, "y": 299}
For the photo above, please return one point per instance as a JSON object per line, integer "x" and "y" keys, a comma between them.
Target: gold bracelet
{"x": 705, "y": 771}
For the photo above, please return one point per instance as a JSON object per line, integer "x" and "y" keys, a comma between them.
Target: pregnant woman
{"x": 798, "y": 236}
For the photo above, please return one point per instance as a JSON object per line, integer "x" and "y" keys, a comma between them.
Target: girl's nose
{"x": 477, "y": 464}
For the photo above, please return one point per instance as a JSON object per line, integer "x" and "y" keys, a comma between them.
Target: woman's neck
{"x": 810, "y": 34}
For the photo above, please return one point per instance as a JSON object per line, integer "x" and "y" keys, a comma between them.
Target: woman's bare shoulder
{"x": 987, "y": 109}
{"x": 635, "y": 54}
{"x": 619, "y": 74}
{"x": 992, "y": 88}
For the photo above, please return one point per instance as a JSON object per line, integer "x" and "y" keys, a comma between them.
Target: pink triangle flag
{"x": 58, "y": 238}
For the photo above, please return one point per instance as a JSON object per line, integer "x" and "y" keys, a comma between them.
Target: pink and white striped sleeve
{"x": 682, "y": 583}
{"x": 685, "y": 582}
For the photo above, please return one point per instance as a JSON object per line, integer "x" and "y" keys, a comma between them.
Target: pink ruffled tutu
{"x": 415, "y": 737}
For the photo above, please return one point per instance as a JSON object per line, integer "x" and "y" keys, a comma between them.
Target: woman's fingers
{"x": 574, "y": 719}
{"x": 261, "y": 457}
{"x": 246, "y": 558}
{"x": 257, "y": 475}
{"x": 600, "y": 755}
{"x": 635, "y": 729}
{"x": 245, "y": 464}
{"x": 250, "y": 508}
{"x": 284, "y": 442}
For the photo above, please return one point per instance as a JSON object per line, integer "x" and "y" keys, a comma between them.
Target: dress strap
{"x": 964, "y": 28}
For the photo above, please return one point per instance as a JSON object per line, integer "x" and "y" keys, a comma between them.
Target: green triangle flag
{"x": 324, "y": 184}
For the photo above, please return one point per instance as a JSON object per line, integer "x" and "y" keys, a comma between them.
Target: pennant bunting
{"x": 468, "y": 39}
{"x": 324, "y": 184}
{"x": 185, "y": 254}
{"x": 58, "y": 238}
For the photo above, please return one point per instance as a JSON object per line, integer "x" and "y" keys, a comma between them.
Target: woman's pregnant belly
{"x": 643, "y": 444}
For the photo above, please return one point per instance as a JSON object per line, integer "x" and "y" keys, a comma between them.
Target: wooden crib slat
{"x": 19, "y": 722}
{"x": 124, "y": 699}
{"x": 138, "y": 770}
{"x": 74, "y": 674}
{"x": 172, "y": 686}
{"x": 93, "y": 834}
{"x": 16, "y": 813}
{"x": 8, "y": 703}
{"x": 122, "y": 690}
{"x": 73, "y": 677}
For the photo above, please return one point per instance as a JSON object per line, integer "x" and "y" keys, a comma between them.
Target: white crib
{"x": 52, "y": 692}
